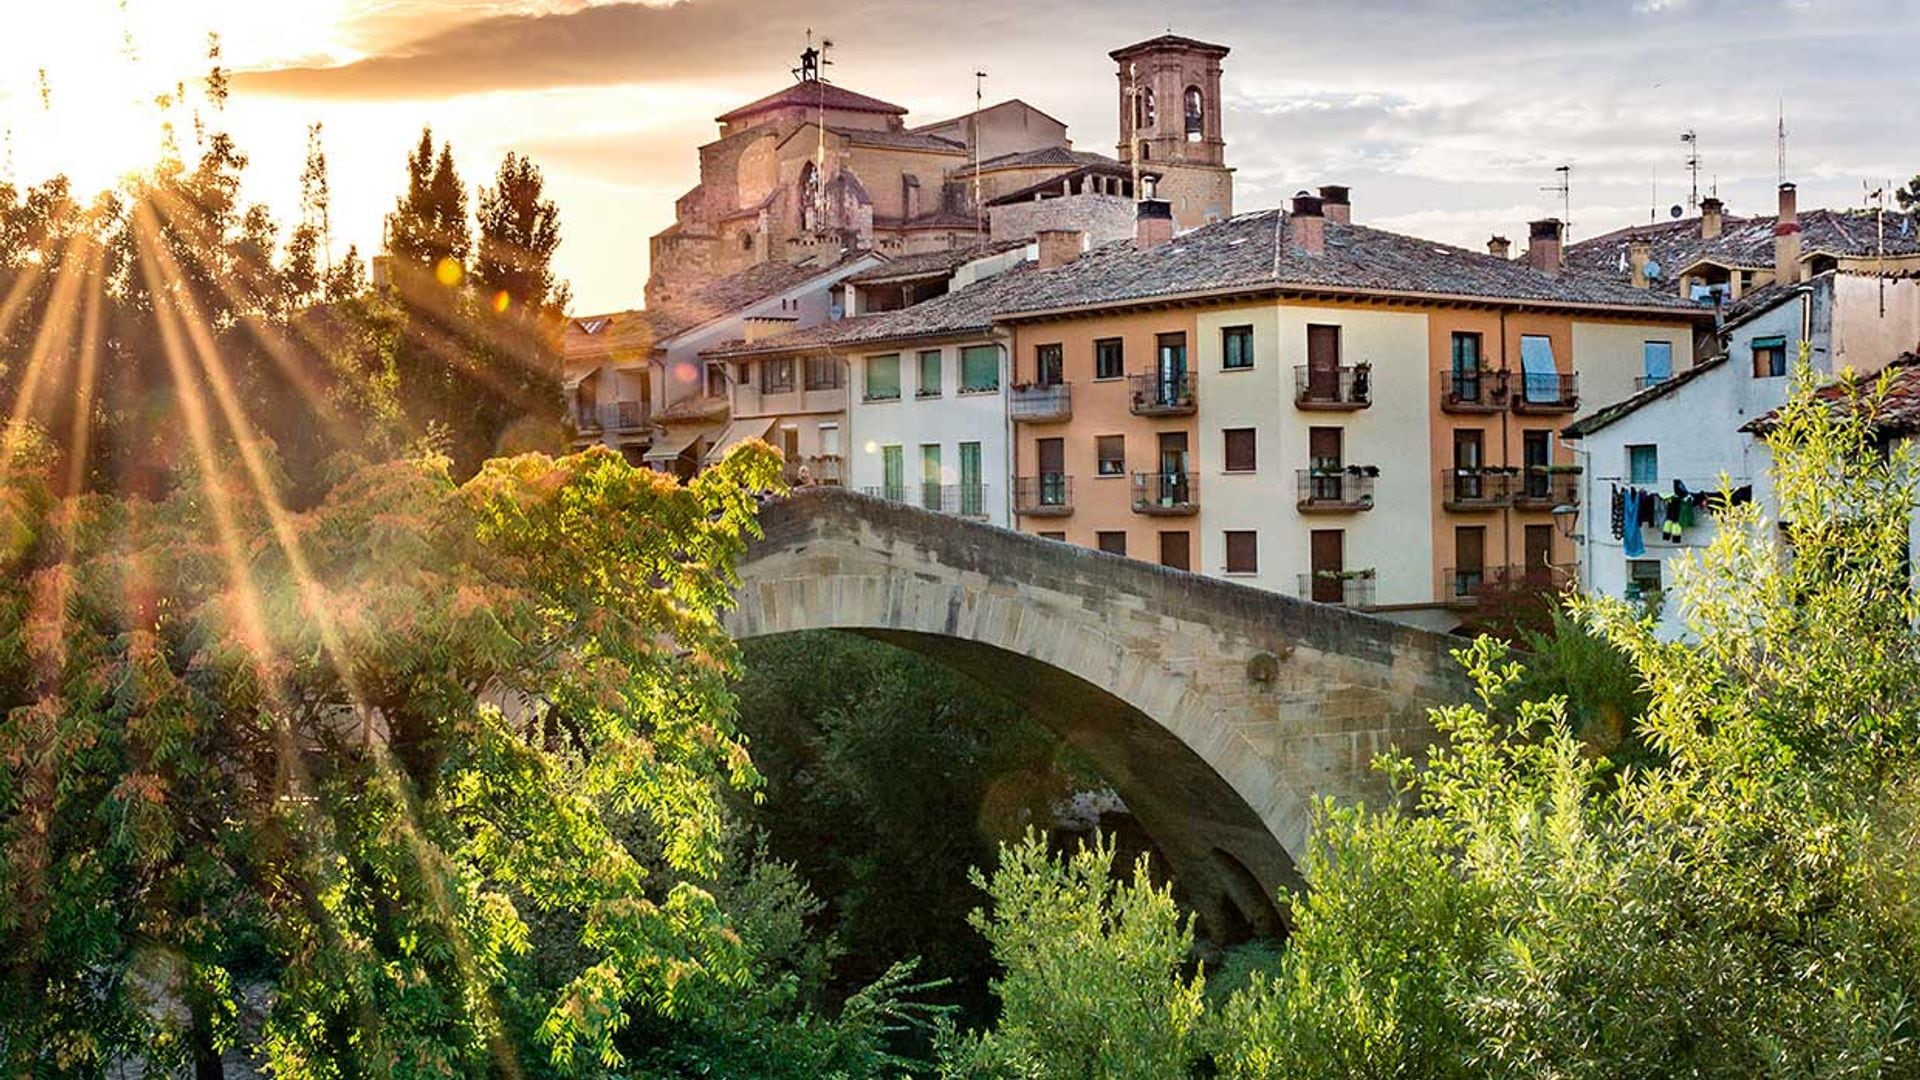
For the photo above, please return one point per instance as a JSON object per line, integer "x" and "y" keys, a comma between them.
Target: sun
{"x": 87, "y": 85}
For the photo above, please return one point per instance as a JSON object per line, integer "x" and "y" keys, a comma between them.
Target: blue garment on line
{"x": 1631, "y": 542}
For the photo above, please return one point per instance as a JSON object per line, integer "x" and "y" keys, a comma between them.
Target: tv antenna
{"x": 1877, "y": 198}
{"x": 1564, "y": 189}
{"x": 1781, "y": 138}
{"x": 1692, "y": 140}
{"x": 979, "y": 101}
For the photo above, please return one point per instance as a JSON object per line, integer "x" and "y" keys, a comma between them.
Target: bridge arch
{"x": 1218, "y": 712}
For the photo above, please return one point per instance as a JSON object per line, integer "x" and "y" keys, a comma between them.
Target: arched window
{"x": 1196, "y": 114}
{"x": 1145, "y": 150}
{"x": 1145, "y": 114}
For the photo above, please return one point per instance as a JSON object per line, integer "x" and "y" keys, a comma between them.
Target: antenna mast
{"x": 979, "y": 99}
{"x": 1564, "y": 189}
{"x": 1692, "y": 140}
{"x": 1782, "y": 138}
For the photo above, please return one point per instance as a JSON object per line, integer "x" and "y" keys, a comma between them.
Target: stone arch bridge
{"x": 1219, "y": 712}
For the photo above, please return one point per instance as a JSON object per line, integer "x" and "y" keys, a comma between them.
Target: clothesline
{"x": 1673, "y": 512}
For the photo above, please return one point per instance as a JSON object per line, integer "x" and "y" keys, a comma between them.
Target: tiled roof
{"x": 941, "y": 219}
{"x": 963, "y": 311}
{"x": 899, "y": 140}
{"x": 812, "y": 94}
{"x": 1010, "y": 103}
{"x": 1587, "y": 425}
{"x": 1747, "y": 243}
{"x": 1255, "y": 252}
{"x": 1045, "y": 157}
{"x": 931, "y": 263}
{"x": 595, "y": 336}
{"x": 1896, "y": 414}
{"x": 1165, "y": 41}
{"x": 713, "y": 299}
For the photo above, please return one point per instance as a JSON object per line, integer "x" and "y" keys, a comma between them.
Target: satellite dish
{"x": 1675, "y": 211}
{"x": 1653, "y": 269}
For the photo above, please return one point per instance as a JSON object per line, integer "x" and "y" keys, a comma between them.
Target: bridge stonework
{"x": 1217, "y": 711}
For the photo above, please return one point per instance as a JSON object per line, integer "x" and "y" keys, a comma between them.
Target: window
{"x": 716, "y": 380}
{"x": 1057, "y": 536}
{"x": 1469, "y": 559}
{"x": 883, "y": 377}
{"x": 1109, "y": 359}
{"x": 1643, "y": 464}
{"x": 1240, "y": 456}
{"x": 979, "y": 369}
{"x": 893, "y": 472}
{"x": 776, "y": 376}
{"x": 1196, "y": 114}
{"x": 1048, "y": 365}
{"x": 830, "y": 440}
{"x": 1173, "y": 355}
{"x": 1236, "y": 348}
{"x": 823, "y": 373}
{"x": 1111, "y": 451}
{"x": 1658, "y": 358}
{"x": 929, "y": 374}
{"x": 930, "y": 475}
{"x": 1326, "y": 562}
{"x": 1243, "y": 552}
{"x": 1145, "y": 114}
{"x": 1466, "y": 352}
{"x": 1176, "y": 550}
{"x": 1538, "y": 369}
{"x": 1643, "y": 579}
{"x": 1113, "y": 543}
{"x": 1769, "y": 357}
{"x": 1536, "y": 449}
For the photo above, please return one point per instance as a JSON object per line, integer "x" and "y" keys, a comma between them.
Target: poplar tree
{"x": 519, "y": 230}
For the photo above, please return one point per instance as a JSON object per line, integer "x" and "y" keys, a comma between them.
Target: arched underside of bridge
{"x": 1218, "y": 712}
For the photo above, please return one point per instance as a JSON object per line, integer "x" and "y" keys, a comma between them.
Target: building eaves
{"x": 1897, "y": 413}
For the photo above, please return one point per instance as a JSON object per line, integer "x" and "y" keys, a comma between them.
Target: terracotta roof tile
{"x": 1747, "y": 243}
{"x": 812, "y": 94}
{"x": 931, "y": 263}
{"x": 1896, "y": 414}
{"x": 964, "y": 311}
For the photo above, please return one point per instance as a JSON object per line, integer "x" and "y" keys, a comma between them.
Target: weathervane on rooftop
{"x": 812, "y": 60}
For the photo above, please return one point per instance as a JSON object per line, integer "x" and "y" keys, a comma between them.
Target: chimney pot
{"x": 1336, "y": 203}
{"x": 1500, "y": 247}
{"x": 1639, "y": 252}
{"x": 1712, "y": 218}
{"x": 1059, "y": 246}
{"x": 1309, "y": 225}
{"x": 1786, "y": 237}
{"x": 1543, "y": 244}
{"x": 1153, "y": 223}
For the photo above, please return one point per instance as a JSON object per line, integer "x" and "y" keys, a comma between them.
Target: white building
{"x": 1688, "y": 429}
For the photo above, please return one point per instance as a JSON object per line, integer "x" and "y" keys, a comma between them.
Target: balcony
{"x": 1541, "y": 488}
{"x": 1641, "y": 382}
{"x": 1046, "y": 495}
{"x": 1465, "y": 586}
{"x": 1473, "y": 391}
{"x": 1165, "y": 494}
{"x": 612, "y": 416}
{"x": 821, "y": 469}
{"x": 1162, "y": 395}
{"x": 1347, "y": 588}
{"x": 1040, "y": 404}
{"x": 1330, "y": 492}
{"x": 1547, "y": 394}
{"x": 960, "y": 500}
{"x": 1465, "y": 490}
{"x": 1333, "y": 390}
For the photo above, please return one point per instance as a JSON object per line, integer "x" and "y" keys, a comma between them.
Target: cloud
{"x": 523, "y": 50}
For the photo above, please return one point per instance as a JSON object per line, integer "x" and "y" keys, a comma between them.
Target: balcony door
{"x": 1469, "y": 559}
{"x": 1171, "y": 369}
{"x": 1538, "y": 542}
{"x": 1052, "y": 456}
{"x": 1323, "y": 363}
{"x": 1327, "y": 557}
{"x": 1325, "y": 456}
{"x": 1537, "y": 450}
{"x": 1173, "y": 468}
{"x": 1469, "y": 454}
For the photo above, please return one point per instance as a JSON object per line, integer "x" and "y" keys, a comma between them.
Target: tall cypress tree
{"x": 429, "y": 223}
{"x": 519, "y": 230}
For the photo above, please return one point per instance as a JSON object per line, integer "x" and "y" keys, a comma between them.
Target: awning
{"x": 573, "y": 381}
{"x": 670, "y": 446}
{"x": 738, "y": 432}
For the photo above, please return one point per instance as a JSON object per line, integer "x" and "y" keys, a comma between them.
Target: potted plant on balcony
{"x": 1362, "y": 380}
{"x": 1565, "y": 470}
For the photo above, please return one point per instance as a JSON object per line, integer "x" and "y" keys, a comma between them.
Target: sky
{"x": 1446, "y": 118}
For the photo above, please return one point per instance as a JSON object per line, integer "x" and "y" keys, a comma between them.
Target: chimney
{"x": 1336, "y": 204}
{"x": 1543, "y": 244}
{"x": 1309, "y": 225}
{"x": 1059, "y": 247}
{"x": 1786, "y": 237}
{"x": 1153, "y": 225}
{"x": 1712, "y": 218}
{"x": 1500, "y": 247}
{"x": 1639, "y": 251}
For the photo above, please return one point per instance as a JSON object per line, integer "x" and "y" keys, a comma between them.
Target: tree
{"x": 1909, "y": 196}
{"x": 1093, "y": 985}
{"x": 429, "y": 224}
{"x": 519, "y": 230}
{"x": 359, "y": 759}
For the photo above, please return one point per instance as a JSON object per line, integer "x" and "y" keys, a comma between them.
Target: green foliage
{"x": 519, "y": 230}
{"x": 429, "y": 223}
{"x": 361, "y": 758}
{"x": 888, "y": 779}
{"x": 1093, "y": 984}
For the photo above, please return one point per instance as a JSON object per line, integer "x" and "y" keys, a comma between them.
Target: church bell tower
{"x": 1170, "y": 121}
